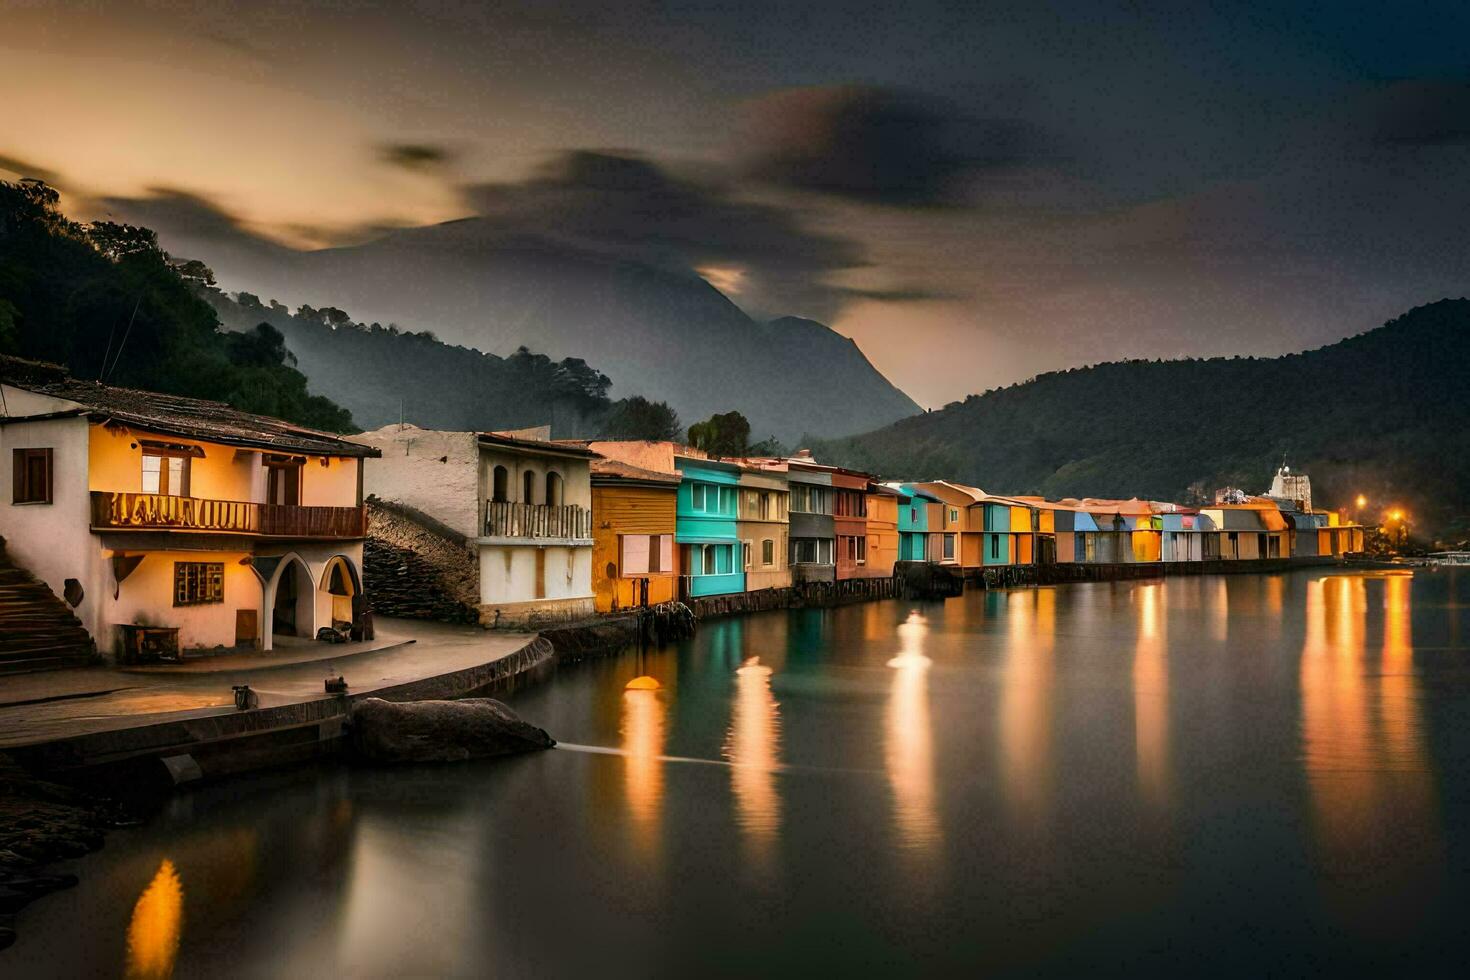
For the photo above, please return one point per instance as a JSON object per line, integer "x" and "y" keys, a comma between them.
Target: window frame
{"x": 768, "y": 552}
{"x": 205, "y": 578}
{"x": 20, "y": 489}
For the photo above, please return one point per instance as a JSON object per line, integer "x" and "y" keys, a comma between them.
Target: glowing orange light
{"x": 153, "y": 933}
{"x": 644, "y": 683}
{"x": 1362, "y": 501}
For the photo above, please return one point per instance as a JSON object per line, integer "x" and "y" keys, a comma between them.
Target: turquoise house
{"x": 914, "y": 524}
{"x": 705, "y": 527}
{"x": 995, "y": 543}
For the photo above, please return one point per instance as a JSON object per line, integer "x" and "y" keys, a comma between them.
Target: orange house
{"x": 634, "y": 561}
{"x": 961, "y": 537}
{"x": 883, "y": 505}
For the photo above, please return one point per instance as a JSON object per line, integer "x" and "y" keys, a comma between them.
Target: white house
{"x": 215, "y": 526}
{"x": 523, "y": 503}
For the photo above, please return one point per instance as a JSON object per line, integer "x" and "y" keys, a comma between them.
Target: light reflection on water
{"x": 1037, "y": 780}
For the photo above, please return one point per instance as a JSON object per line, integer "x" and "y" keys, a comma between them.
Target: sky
{"x": 976, "y": 192}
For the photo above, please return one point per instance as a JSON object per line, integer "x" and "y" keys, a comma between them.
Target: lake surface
{"x": 1215, "y": 775}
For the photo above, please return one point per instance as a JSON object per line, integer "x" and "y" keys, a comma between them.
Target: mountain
{"x": 1384, "y": 414}
{"x": 657, "y": 331}
{"x": 381, "y": 374}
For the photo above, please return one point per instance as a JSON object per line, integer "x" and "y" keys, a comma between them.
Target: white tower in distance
{"x": 1296, "y": 487}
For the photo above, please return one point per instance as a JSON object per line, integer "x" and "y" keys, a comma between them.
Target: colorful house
{"x": 961, "y": 533}
{"x": 522, "y": 502}
{"x": 812, "y": 526}
{"x": 916, "y": 540}
{"x": 634, "y": 521}
{"x": 1188, "y": 535}
{"x": 707, "y": 526}
{"x": 203, "y": 524}
{"x": 884, "y": 507}
{"x": 850, "y": 522}
{"x": 1252, "y": 530}
{"x": 764, "y": 527}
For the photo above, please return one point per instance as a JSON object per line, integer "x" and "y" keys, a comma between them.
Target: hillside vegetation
{"x": 1384, "y": 413}
{"x": 105, "y": 301}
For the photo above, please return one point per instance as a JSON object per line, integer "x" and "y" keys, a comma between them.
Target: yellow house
{"x": 883, "y": 512}
{"x": 186, "y": 520}
{"x": 634, "y": 561}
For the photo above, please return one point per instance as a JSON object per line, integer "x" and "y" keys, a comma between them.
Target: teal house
{"x": 995, "y": 543}
{"x": 705, "y": 528}
{"x": 915, "y": 525}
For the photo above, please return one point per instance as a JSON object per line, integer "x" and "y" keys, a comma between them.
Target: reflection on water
{"x": 643, "y": 770}
{"x": 946, "y": 789}
{"x": 1151, "y": 694}
{"x": 753, "y": 749}
{"x": 1026, "y": 700}
{"x": 158, "y": 921}
{"x": 909, "y": 745}
{"x": 1373, "y": 805}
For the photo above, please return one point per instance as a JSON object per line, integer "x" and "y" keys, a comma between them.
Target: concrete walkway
{"x": 43, "y": 707}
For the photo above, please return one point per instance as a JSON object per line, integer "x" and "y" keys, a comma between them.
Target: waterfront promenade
{"x": 95, "y": 715}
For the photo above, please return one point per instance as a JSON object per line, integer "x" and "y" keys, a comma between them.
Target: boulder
{"x": 440, "y": 731}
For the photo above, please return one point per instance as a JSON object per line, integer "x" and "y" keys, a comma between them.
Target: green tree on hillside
{"x": 639, "y": 418}
{"x": 725, "y": 434}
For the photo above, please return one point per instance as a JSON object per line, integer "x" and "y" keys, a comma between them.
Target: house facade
{"x": 635, "y": 561}
{"x": 205, "y": 525}
{"x": 884, "y": 507}
{"x": 707, "y": 531}
{"x": 764, "y": 528}
{"x": 812, "y": 526}
{"x": 923, "y": 512}
{"x": 522, "y": 503}
{"x": 850, "y": 523}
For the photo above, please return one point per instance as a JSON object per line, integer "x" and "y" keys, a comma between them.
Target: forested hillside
{"x": 1385, "y": 414}
{"x": 104, "y": 300}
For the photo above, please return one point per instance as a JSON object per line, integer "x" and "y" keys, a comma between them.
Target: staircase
{"x": 37, "y": 629}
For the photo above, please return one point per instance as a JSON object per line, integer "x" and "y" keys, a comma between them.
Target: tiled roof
{"x": 190, "y": 418}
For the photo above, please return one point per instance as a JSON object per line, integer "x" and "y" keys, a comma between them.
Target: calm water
{"x": 1218, "y": 774}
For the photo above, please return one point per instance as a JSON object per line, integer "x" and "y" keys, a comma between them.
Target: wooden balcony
{"x": 504, "y": 519}
{"x": 116, "y": 511}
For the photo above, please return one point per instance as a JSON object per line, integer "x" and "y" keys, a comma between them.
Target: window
{"x": 768, "y": 552}
{"x": 165, "y": 474}
{"x": 197, "y": 583}
{"x": 30, "y": 476}
{"x": 949, "y": 547}
{"x": 765, "y": 507}
{"x": 862, "y": 551}
{"x": 500, "y": 485}
{"x": 913, "y": 515}
{"x": 954, "y": 516}
{"x": 727, "y": 500}
{"x": 528, "y": 487}
{"x": 745, "y": 553}
{"x": 696, "y": 496}
{"x": 995, "y": 546}
{"x": 553, "y": 489}
{"x": 1260, "y": 546}
{"x": 644, "y": 554}
{"x": 709, "y": 559}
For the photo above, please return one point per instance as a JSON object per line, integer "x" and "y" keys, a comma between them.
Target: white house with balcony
{"x": 200, "y": 524}
{"x": 522, "y": 502}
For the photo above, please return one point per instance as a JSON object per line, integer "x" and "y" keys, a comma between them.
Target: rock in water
{"x": 440, "y": 731}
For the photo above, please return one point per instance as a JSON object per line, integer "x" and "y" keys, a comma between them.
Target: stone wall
{"x": 418, "y": 569}
{"x": 800, "y": 596}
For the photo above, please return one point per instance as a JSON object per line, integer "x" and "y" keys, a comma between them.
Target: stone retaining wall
{"x": 416, "y": 570}
{"x": 804, "y": 595}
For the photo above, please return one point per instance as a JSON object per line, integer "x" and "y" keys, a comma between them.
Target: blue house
{"x": 705, "y": 527}
{"x": 920, "y": 518}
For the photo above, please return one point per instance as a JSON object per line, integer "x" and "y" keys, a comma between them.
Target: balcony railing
{"x": 504, "y": 519}
{"x": 115, "y": 511}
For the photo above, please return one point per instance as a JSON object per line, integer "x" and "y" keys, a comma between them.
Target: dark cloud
{"x": 630, "y": 207}
{"x": 23, "y": 168}
{"x": 877, "y": 145}
{"x": 1422, "y": 112}
{"x": 419, "y": 157}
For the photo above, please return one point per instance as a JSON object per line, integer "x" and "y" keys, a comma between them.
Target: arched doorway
{"x": 528, "y": 487}
{"x": 291, "y": 601}
{"x": 553, "y": 488}
{"x": 500, "y": 485}
{"x": 341, "y": 582}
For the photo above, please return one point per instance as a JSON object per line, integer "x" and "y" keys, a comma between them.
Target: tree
{"x": 639, "y": 418}
{"x": 725, "y": 434}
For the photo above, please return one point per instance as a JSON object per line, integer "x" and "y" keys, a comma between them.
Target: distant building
{"x": 1293, "y": 488}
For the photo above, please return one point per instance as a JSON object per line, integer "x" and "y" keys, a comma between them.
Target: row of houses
{"x": 158, "y": 513}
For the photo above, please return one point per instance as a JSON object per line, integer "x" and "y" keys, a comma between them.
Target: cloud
{"x": 24, "y": 169}
{"x": 627, "y": 206}
{"x": 419, "y": 157}
{"x": 1422, "y": 112}
{"x": 877, "y": 145}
